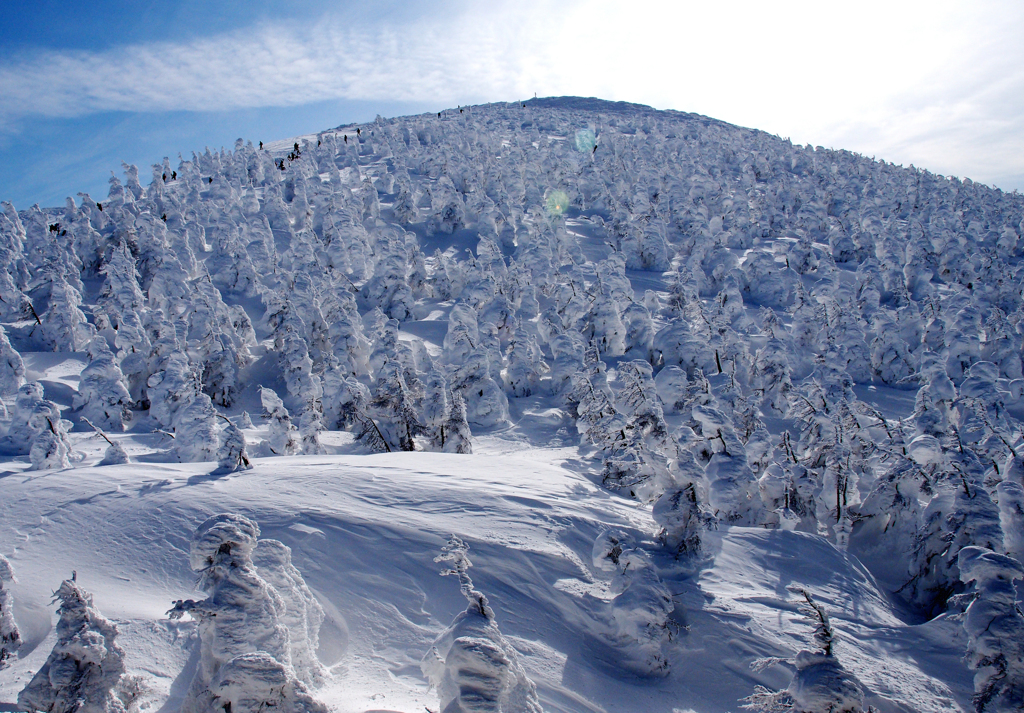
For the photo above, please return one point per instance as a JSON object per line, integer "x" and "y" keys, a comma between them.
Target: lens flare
{"x": 557, "y": 202}
{"x": 585, "y": 140}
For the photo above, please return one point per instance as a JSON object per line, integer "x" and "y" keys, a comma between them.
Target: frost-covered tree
{"x": 10, "y": 637}
{"x": 283, "y": 437}
{"x": 232, "y": 456}
{"x": 682, "y": 510}
{"x": 256, "y": 682}
{"x": 641, "y": 607}
{"x": 960, "y": 514}
{"x": 471, "y": 664}
{"x": 388, "y": 289}
{"x": 85, "y": 670}
{"x": 14, "y": 304}
{"x": 525, "y": 364}
{"x": 12, "y": 368}
{"x": 435, "y": 407}
{"x": 344, "y": 401}
{"x": 65, "y": 328}
{"x": 604, "y": 326}
{"x": 486, "y": 403}
{"x": 393, "y": 408}
{"x": 172, "y": 383}
{"x": 244, "y": 648}
{"x": 120, "y": 292}
{"x": 302, "y": 614}
{"x": 311, "y": 425}
{"x": 638, "y": 401}
{"x": 455, "y": 434}
{"x": 50, "y": 447}
{"x": 196, "y": 437}
{"x": 639, "y": 338}
{"x": 115, "y": 454}
{"x": 995, "y": 629}
{"x": 1011, "y": 517}
{"x": 102, "y": 396}
{"x": 19, "y": 434}
{"x": 733, "y": 490}
{"x": 820, "y": 684}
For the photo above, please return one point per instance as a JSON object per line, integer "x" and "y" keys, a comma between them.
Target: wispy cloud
{"x": 275, "y": 66}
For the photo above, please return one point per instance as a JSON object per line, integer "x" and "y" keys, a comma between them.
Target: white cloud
{"x": 268, "y": 66}
{"x": 936, "y": 83}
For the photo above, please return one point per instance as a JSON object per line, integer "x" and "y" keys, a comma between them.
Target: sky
{"x": 85, "y": 86}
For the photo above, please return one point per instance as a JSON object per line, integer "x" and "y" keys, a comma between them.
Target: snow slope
{"x": 364, "y": 532}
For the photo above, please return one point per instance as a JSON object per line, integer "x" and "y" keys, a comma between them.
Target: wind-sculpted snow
{"x": 725, "y": 329}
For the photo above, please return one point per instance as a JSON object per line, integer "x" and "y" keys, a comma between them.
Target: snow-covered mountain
{"x": 696, "y": 418}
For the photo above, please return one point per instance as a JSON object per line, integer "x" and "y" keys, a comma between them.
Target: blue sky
{"x": 939, "y": 84}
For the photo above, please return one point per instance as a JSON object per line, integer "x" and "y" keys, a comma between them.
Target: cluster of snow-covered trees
{"x": 708, "y": 305}
{"x": 257, "y": 635}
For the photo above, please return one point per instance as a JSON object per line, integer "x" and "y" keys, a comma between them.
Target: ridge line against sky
{"x": 938, "y": 84}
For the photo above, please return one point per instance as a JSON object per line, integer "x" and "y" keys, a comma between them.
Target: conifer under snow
{"x": 471, "y": 664}
{"x": 995, "y": 626}
{"x": 245, "y": 655}
{"x": 10, "y": 637}
{"x": 85, "y": 670}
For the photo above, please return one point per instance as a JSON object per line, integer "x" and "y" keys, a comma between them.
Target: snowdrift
{"x": 364, "y": 532}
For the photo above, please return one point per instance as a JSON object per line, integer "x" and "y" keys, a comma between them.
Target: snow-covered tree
{"x": 120, "y": 292}
{"x": 733, "y": 491}
{"x": 302, "y": 614}
{"x": 12, "y": 368}
{"x": 820, "y": 684}
{"x": 604, "y": 327}
{"x": 641, "y": 607}
{"x": 196, "y": 437}
{"x": 84, "y": 671}
{"x": 102, "y": 396}
{"x": 19, "y": 435}
{"x": 486, "y": 403}
{"x": 64, "y": 325}
{"x": 960, "y": 514}
{"x": 50, "y": 447}
{"x": 1011, "y": 517}
{"x": 393, "y": 408}
{"x": 345, "y": 400}
{"x": 10, "y": 637}
{"x": 311, "y": 425}
{"x": 471, "y": 664}
{"x": 455, "y": 433}
{"x": 995, "y": 629}
{"x": 245, "y": 649}
{"x": 172, "y": 383}
{"x": 255, "y": 682}
{"x": 682, "y": 510}
{"x": 232, "y": 456}
{"x": 525, "y": 364}
{"x": 283, "y": 438}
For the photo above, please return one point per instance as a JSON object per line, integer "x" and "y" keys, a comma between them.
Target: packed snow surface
{"x": 699, "y": 419}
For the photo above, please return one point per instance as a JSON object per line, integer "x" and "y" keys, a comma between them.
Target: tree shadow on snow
{"x": 179, "y": 687}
